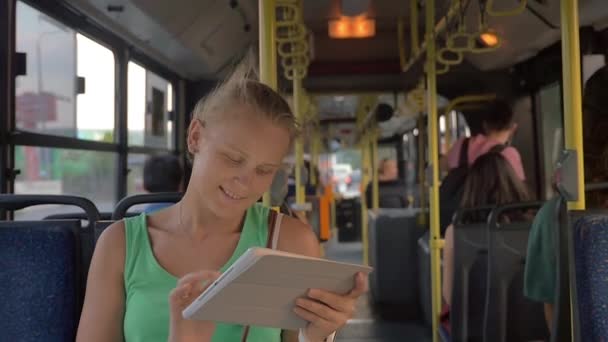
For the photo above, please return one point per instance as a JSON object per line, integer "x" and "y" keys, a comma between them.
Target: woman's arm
{"x": 103, "y": 311}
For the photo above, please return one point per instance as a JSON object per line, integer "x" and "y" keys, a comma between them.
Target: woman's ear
{"x": 195, "y": 132}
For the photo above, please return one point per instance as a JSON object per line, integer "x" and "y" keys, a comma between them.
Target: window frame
{"x": 10, "y": 137}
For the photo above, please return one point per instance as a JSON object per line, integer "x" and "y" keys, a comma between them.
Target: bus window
{"x": 135, "y": 178}
{"x": 65, "y": 171}
{"x": 551, "y": 119}
{"x": 150, "y": 103}
{"x": 49, "y": 99}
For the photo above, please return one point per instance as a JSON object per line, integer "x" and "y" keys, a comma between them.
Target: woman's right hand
{"x": 187, "y": 290}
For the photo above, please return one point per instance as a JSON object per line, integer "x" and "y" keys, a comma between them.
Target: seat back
{"x": 40, "y": 280}
{"x": 470, "y": 275}
{"x": 120, "y": 211}
{"x": 509, "y": 315}
{"x": 393, "y": 237}
{"x": 591, "y": 275}
{"x": 424, "y": 278}
{"x": 86, "y": 235}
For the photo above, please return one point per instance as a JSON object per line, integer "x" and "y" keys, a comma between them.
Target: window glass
{"x": 96, "y": 106}
{"x": 552, "y": 131}
{"x": 135, "y": 180}
{"x": 64, "y": 171}
{"x": 68, "y": 88}
{"x": 150, "y": 108}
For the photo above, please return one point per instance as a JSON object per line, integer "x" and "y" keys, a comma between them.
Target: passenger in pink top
{"x": 498, "y": 127}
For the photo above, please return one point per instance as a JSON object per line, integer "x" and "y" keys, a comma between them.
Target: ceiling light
{"x": 489, "y": 38}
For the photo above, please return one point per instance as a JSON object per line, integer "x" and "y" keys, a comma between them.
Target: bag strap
{"x": 463, "y": 160}
{"x": 274, "y": 228}
{"x": 498, "y": 148}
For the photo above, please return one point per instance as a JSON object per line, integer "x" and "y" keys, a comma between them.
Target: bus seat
{"x": 591, "y": 268}
{"x": 39, "y": 281}
{"x": 393, "y": 201}
{"x": 77, "y": 216}
{"x": 86, "y": 236}
{"x": 511, "y": 316}
{"x": 424, "y": 278}
{"x": 393, "y": 235}
{"x": 120, "y": 211}
{"x": 470, "y": 277}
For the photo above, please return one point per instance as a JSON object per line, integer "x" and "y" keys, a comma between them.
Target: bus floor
{"x": 371, "y": 324}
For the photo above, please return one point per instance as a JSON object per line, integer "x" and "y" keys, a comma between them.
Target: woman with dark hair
{"x": 491, "y": 181}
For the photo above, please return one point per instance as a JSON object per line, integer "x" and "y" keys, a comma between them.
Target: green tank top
{"x": 147, "y": 284}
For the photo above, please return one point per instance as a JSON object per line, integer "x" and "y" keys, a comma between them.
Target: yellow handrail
{"x": 439, "y": 28}
{"x": 506, "y": 13}
{"x": 268, "y": 53}
{"x": 441, "y": 58}
{"x": 431, "y": 82}
{"x": 293, "y": 50}
{"x": 572, "y": 94}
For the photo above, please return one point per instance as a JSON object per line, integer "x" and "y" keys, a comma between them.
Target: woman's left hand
{"x": 327, "y": 312}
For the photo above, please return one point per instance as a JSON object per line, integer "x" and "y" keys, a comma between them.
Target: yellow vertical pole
{"x": 431, "y": 83}
{"x": 299, "y": 145}
{"x": 374, "y": 162}
{"x": 365, "y": 164}
{"x": 268, "y": 51}
{"x": 572, "y": 98}
{"x": 573, "y": 111}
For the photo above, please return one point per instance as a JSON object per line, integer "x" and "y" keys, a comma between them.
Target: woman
{"x": 491, "y": 181}
{"x": 237, "y": 139}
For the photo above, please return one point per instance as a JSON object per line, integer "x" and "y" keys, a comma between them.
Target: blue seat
{"x": 39, "y": 280}
{"x": 591, "y": 272}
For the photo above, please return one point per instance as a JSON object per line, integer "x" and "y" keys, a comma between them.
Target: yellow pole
{"x": 299, "y": 144}
{"x": 268, "y": 51}
{"x": 431, "y": 80}
{"x": 365, "y": 151}
{"x": 572, "y": 98}
{"x": 374, "y": 163}
{"x": 573, "y": 112}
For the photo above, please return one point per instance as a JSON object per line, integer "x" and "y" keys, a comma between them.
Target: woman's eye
{"x": 234, "y": 160}
{"x": 264, "y": 172}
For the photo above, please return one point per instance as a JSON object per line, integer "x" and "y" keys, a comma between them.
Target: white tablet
{"x": 261, "y": 287}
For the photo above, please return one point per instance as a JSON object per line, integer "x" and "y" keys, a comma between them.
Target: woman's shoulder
{"x": 298, "y": 237}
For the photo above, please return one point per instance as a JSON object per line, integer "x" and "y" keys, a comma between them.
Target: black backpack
{"x": 452, "y": 186}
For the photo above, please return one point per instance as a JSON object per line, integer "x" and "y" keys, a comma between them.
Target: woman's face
{"x": 235, "y": 159}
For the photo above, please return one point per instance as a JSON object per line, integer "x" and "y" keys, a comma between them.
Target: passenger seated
{"x": 391, "y": 189}
{"x": 147, "y": 269}
{"x": 541, "y": 267}
{"x": 491, "y": 181}
{"x": 162, "y": 173}
{"x": 498, "y": 128}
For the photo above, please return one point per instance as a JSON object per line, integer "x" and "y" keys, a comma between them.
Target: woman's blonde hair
{"x": 243, "y": 87}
